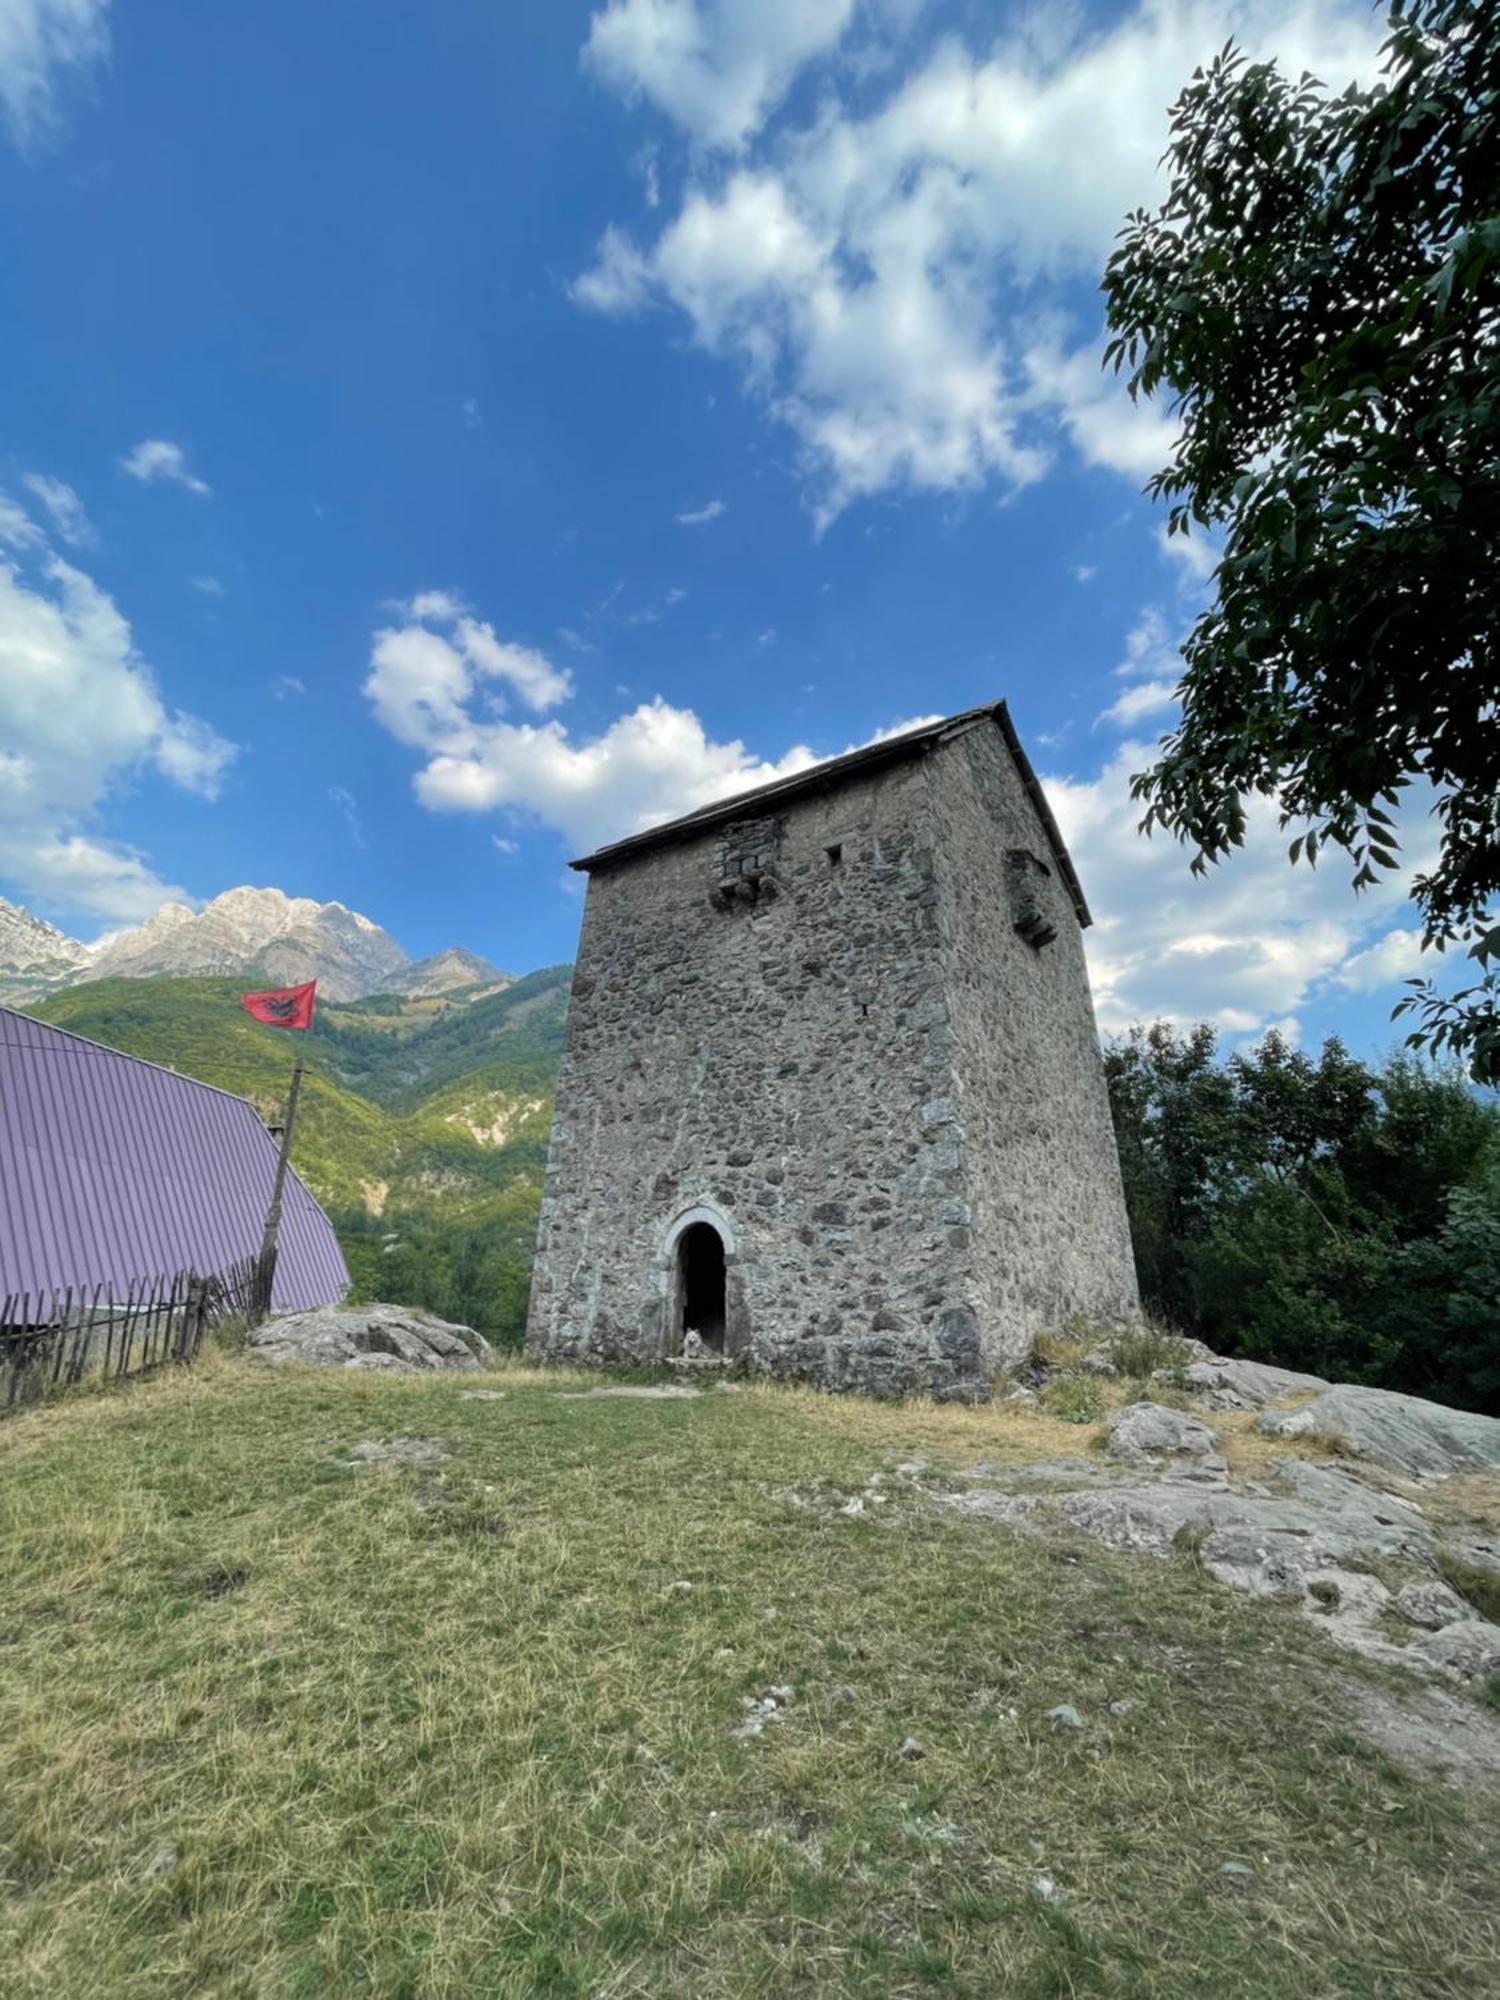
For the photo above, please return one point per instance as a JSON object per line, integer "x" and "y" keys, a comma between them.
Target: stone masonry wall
{"x": 1042, "y": 1174}
{"x": 820, "y": 1030}
{"x": 758, "y": 1036}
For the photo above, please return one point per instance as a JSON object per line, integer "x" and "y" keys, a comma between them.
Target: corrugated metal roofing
{"x": 114, "y": 1170}
{"x": 855, "y": 763}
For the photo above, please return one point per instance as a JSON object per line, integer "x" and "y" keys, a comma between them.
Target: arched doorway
{"x": 700, "y": 1286}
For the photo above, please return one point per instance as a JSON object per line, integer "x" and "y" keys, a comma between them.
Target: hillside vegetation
{"x": 422, "y": 1128}
{"x": 631, "y": 1698}
{"x": 1325, "y": 1213}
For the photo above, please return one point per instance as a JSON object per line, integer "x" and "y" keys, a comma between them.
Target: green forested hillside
{"x": 423, "y": 1123}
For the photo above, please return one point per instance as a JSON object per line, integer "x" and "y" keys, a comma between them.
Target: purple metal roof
{"x": 113, "y": 1170}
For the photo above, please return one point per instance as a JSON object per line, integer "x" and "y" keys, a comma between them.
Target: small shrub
{"x": 229, "y": 1336}
{"x": 1189, "y": 1539}
{"x": 1074, "y": 1400}
{"x": 1061, "y": 1347}
{"x": 1146, "y": 1349}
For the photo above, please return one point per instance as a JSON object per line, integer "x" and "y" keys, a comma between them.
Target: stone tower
{"x": 832, "y": 1097}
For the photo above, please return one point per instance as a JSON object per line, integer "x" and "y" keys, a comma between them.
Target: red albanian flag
{"x": 288, "y": 1007}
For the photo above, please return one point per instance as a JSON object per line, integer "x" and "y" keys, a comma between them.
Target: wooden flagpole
{"x": 265, "y": 1269}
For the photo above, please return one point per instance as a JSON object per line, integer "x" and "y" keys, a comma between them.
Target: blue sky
{"x": 437, "y": 439}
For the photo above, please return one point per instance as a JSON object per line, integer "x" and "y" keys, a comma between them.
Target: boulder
{"x": 1403, "y": 1433}
{"x": 1151, "y": 1430}
{"x": 392, "y": 1337}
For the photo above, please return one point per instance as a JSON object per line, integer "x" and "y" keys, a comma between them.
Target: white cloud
{"x": 159, "y": 458}
{"x": 440, "y": 604}
{"x": 1144, "y": 698}
{"x": 63, "y": 505}
{"x": 192, "y": 755}
{"x": 287, "y": 684}
{"x": 890, "y": 283}
{"x": 648, "y": 765}
{"x": 1396, "y": 956}
{"x": 717, "y": 67}
{"x": 347, "y": 807}
{"x": 619, "y": 280}
{"x": 80, "y": 714}
{"x": 1152, "y": 665}
{"x": 1105, "y": 426}
{"x": 699, "y": 517}
{"x": 41, "y": 40}
{"x": 208, "y": 586}
{"x": 425, "y": 684}
{"x": 17, "y": 529}
{"x": 1196, "y": 555}
{"x": 1242, "y": 945}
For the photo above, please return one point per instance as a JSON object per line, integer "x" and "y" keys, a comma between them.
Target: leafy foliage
{"x": 1320, "y": 295}
{"x": 478, "y": 1275}
{"x": 1316, "y": 1212}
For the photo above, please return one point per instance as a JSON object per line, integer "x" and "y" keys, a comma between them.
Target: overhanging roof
{"x": 828, "y": 776}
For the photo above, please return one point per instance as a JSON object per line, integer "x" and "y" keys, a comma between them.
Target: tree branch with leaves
{"x": 1318, "y": 296}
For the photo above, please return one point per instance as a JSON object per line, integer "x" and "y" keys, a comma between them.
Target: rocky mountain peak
{"x": 446, "y": 971}
{"x": 34, "y": 955}
{"x": 263, "y": 934}
{"x": 284, "y": 939}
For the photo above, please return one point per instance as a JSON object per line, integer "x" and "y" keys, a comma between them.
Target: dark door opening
{"x": 700, "y": 1265}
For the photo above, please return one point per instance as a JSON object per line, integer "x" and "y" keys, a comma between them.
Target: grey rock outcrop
{"x": 1468, "y": 1651}
{"x": 1151, "y": 1430}
{"x": 1308, "y": 1543}
{"x": 1431, "y": 1604}
{"x": 1225, "y": 1382}
{"x": 391, "y": 1337}
{"x": 1404, "y": 1433}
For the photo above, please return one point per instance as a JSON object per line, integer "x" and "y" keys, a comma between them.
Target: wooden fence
{"x": 53, "y": 1341}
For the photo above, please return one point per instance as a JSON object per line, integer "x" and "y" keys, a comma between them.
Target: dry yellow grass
{"x": 272, "y": 1723}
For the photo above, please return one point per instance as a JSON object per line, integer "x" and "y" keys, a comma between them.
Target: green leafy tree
{"x": 1319, "y": 296}
{"x": 1315, "y": 1211}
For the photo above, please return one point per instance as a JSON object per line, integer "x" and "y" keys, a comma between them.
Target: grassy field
{"x": 273, "y": 1722}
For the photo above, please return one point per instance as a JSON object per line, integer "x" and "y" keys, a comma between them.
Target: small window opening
{"x": 700, "y": 1265}
{"x": 835, "y": 853}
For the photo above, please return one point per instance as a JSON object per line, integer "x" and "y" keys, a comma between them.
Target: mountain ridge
{"x": 245, "y": 931}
